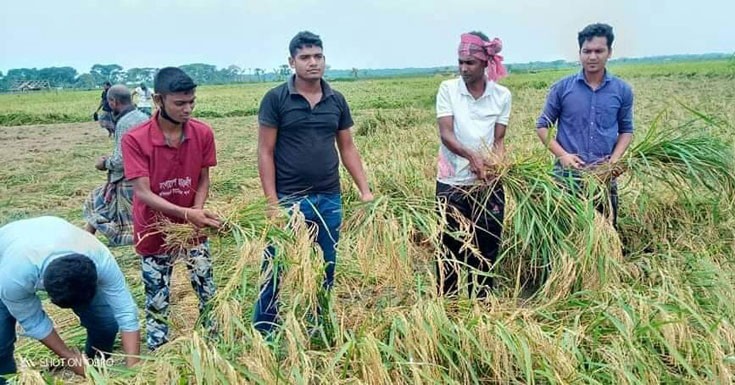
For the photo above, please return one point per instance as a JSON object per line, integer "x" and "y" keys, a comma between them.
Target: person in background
{"x": 108, "y": 208}
{"x": 105, "y": 119}
{"x": 145, "y": 99}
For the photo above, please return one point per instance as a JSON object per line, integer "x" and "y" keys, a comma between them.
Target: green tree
{"x": 259, "y": 73}
{"x": 230, "y": 74}
{"x": 22, "y": 74}
{"x": 284, "y": 71}
{"x": 58, "y": 76}
{"x": 103, "y": 72}
{"x": 140, "y": 75}
{"x": 85, "y": 81}
{"x": 200, "y": 72}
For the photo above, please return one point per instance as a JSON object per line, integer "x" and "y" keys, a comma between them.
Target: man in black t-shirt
{"x": 106, "y": 118}
{"x": 300, "y": 121}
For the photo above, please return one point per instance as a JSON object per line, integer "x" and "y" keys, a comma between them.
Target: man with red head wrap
{"x": 472, "y": 113}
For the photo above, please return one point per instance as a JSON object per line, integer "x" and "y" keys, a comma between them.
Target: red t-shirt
{"x": 173, "y": 172}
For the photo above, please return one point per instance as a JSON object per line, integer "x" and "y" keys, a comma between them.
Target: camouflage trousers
{"x": 157, "y": 271}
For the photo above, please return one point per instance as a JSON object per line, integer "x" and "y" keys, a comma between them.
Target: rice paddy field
{"x": 651, "y": 303}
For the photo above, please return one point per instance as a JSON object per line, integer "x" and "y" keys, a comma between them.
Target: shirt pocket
{"x": 606, "y": 137}
{"x": 607, "y": 117}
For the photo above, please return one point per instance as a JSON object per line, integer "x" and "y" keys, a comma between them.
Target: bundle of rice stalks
{"x": 231, "y": 301}
{"x": 385, "y": 239}
{"x": 545, "y": 222}
{"x": 685, "y": 156}
{"x": 244, "y": 221}
{"x": 301, "y": 267}
{"x": 552, "y": 222}
{"x": 415, "y": 213}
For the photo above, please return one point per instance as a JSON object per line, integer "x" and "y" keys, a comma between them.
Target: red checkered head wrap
{"x": 473, "y": 45}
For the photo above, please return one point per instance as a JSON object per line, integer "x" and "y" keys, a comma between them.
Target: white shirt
{"x": 144, "y": 97}
{"x": 474, "y": 125}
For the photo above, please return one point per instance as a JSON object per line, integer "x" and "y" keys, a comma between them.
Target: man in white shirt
{"x": 472, "y": 113}
{"x": 145, "y": 98}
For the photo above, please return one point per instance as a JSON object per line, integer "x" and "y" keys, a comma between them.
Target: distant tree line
{"x": 68, "y": 77}
{"x": 563, "y": 64}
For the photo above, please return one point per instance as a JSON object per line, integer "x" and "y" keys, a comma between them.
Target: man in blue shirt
{"x": 592, "y": 110}
{"x": 77, "y": 271}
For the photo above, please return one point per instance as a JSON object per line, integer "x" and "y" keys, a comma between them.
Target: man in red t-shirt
{"x": 168, "y": 160}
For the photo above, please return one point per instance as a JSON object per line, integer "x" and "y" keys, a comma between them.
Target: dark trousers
{"x": 613, "y": 205}
{"x": 97, "y": 318}
{"x": 483, "y": 208}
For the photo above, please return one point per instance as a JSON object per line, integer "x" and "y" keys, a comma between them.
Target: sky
{"x": 356, "y": 34}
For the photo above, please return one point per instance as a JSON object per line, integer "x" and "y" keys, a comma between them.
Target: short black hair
{"x": 480, "y": 35}
{"x": 172, "y": 79}
{"x": 70, "y": 280}
{"x": 596, "y": 30}
{"x": 108, "y": 84}
{"x": 304, "y": 39}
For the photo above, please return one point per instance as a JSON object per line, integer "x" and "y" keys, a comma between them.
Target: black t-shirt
{"x": 105, "y": 104}
{"x": 306, "y": 158}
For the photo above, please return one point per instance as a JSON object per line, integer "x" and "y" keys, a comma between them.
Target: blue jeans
{"x": 97, "y": 318}
{"x": 324, "y": 211}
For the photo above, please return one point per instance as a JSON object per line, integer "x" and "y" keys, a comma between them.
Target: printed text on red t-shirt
{"x": 177, "y": 186}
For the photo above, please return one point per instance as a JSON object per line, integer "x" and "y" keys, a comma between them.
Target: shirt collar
{"x": 156, "y": 134}
{"x": 464, "y": 91}
{"x": 606, "y": 78}
{"x": 116, "y": 117}
{"x": 326, "y": 89}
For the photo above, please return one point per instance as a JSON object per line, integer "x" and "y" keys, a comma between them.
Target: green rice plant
{"x": 685, "y": 155}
